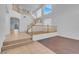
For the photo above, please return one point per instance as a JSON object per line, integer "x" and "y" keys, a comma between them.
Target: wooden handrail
{"x": 33, "y": 24}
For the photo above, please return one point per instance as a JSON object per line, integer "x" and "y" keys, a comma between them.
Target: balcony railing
{"x": 41, "y": 29}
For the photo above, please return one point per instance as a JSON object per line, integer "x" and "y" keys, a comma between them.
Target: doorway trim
{"x": 15, "y": 18}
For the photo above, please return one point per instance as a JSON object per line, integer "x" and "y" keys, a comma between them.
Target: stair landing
{"x": 15, "y": 40}
{"x": 17, "y": 36}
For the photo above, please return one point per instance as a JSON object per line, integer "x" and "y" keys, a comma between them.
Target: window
{"x": 47, "y": 9}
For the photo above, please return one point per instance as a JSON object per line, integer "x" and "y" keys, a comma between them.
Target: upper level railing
{"x": 40, "y": 29}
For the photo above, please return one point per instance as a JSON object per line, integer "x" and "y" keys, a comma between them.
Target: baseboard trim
{"x": 68, "y": 36}
{"x": 43, "y": 36}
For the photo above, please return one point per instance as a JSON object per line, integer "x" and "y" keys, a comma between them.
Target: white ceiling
{"x": 29, "y": 7}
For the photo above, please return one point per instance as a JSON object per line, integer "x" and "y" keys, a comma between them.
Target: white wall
{"x": 67, "y": 20}
{"x": 48, "y": 21}
{"x": 2, "y": 25}
{"x": 23, "y": 21}
{"x": 8, "y": 16}
{"x": 7, "y": 24}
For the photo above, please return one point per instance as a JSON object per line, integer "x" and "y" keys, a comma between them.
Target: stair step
{"x": 14, "y": 44}
{"x": 15, "y": 41}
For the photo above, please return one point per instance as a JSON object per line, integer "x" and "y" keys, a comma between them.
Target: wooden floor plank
{"x": 61, "y": 45}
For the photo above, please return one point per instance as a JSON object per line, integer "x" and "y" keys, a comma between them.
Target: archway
{"x": 14, "y": 24}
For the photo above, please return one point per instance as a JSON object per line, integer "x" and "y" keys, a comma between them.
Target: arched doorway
{"x": 14, "y": 24}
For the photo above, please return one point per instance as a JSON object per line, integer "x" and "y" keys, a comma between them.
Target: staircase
{"x": 32, "y": 24}
{"x": 14, "y": 41}
{"x": 23, "y": 11}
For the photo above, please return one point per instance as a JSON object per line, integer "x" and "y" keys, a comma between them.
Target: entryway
{"x": 14, "y": 24}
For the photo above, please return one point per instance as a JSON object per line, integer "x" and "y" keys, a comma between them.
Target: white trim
{"x": 43, "y": 36}
{"x": 69, "y": 36}
{"x": 2, "y": 38}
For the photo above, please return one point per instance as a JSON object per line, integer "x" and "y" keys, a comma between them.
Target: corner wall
{"x": 2, "y": 25}
{"x": 67, "y": 18}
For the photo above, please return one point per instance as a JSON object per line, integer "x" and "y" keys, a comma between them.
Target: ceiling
{"x": 30, "y": 7}
{"x": 26, "y": 8}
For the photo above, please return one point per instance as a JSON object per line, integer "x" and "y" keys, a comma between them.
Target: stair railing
{"x": 32, "y": 24}
{"x": 40, "y": 29}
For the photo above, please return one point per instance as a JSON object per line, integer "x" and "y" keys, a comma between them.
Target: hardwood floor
{"x": 32, "y": 48}
{"x": 57, "y": 44}
{"x": 61, "y": 45}
{"x": 16, "y": 39}
{"x": 17, "y": 36}
{"x": 21, "y": 43}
